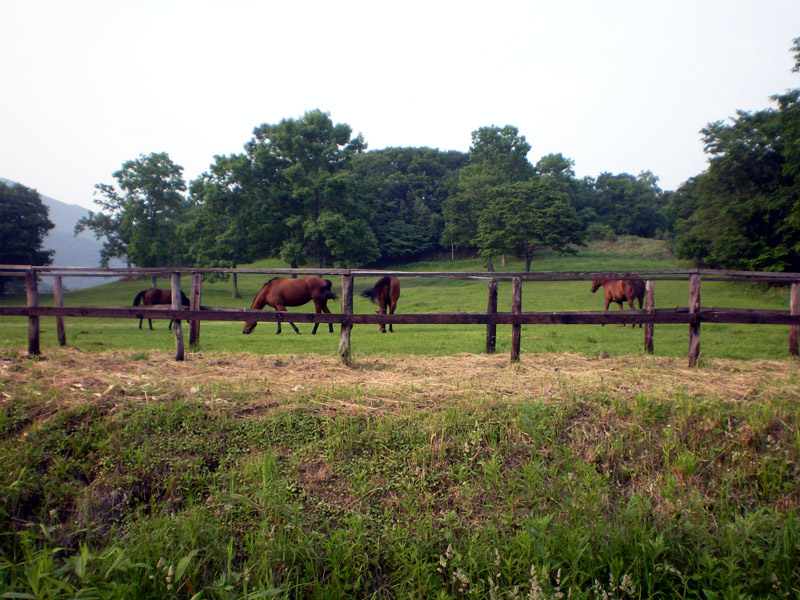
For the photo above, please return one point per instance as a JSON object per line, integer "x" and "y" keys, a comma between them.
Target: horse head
{"x": 596, "y": 285}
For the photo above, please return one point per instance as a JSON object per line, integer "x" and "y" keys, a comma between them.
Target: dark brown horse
{"x": 385, "y": 292}
{"x": 280, "y": 292}
{"x": 155, "y": 296}
{"x": 621, "y": 290}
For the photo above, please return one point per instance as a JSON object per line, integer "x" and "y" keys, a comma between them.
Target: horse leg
{"x": 608, "y": 301}
{"x": 321, "y": 307}
{"x": 640, "y": 308}
{"x": 392, "y": 306}
{"x": 382, "y": 311}
{"x": 150, "y": 323}
{"x": 632, "y": 306}
{"x": 140, "y": 323}
{"x": 327, "y": 310}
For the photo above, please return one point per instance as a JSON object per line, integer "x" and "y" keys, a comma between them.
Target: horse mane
{"x": 258, "y": 293}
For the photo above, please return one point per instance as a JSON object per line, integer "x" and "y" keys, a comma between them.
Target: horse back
{"x": 394, "y": 290}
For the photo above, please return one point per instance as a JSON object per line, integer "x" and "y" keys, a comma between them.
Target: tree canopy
{"x": 743, "y": 212}
{"x": 24, "y": 223}
{"x": 523, "y": 217}
{"x": 404, "y": 189}
{"x": 504, "y": 205}
{"x": 316, "y": 203}
{"x": 308, "y": 191}
{"x": 143, "y": 213}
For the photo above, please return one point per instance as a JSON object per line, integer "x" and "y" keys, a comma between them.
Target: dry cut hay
{"x": 257, "y": 382}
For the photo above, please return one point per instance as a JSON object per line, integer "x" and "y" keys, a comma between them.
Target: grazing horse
{"x": 154, "y": 296}
{"x": 280, "y": 292}
{"x": 385, "y": 293}
{"x": 621, "y": 290}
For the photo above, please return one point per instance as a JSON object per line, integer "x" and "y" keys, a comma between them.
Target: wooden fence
{"x": 693, "y": 314}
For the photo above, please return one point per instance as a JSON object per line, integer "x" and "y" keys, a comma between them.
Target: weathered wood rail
{"x": 693, "y": 314}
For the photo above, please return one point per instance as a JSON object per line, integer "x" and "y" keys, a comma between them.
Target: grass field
{"x": 421, "y": 295}
{"x": 262, "y": 467}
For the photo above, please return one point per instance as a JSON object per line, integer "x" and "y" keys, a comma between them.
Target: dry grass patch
{"x": 387, "y": 383}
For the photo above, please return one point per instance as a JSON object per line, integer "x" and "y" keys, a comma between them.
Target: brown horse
{"x": 153, "y": 296}
{"x": 280, "y": 292}
{"x": 385, "y": 292}
{"x": 621, "y": 290}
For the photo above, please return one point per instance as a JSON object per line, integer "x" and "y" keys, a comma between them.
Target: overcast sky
{"x": 616, "y": 86}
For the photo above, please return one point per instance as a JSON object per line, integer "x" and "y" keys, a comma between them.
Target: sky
{"x": 615, "y": 86}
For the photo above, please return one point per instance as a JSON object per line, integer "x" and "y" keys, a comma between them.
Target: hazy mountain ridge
{"x": 82, "y": 250}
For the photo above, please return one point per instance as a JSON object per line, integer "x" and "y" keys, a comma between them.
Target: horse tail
{"x": 184, "y": 299}
{"x": 375, "y": 291}
{"x": 326, "y": 293}
{"x": 138, "y": 298}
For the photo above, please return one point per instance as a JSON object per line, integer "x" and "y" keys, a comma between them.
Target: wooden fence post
{"x": 58, "y": 300}
{"x": 794, "y": 309}
{"x": 650, "y": 307}
{"x": 694, "y": 326}
{"x": 194, "y": 304}
{"x": 176, "y": 324}
{"x": 33, "y": 322}
{"x": 347, "y": 309}
{"x": 491, "y": 327}
{"x": 516, "y": 308}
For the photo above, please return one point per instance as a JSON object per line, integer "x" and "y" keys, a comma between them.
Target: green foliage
{"x": 523, "y": 218}
{"x": 498, "y": 156}
{"x": 629, "y": 205}
{"x": 405, "y": 189}
{"x": 142, "y": 216}
{"x": 743, "y": 213}
{"x": 24, "y": 223}
{"x": 312, "y": 189}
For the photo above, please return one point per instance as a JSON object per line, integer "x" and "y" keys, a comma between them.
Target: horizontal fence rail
{"x": 659, "y": 316}
{"x": 693, "y": 314}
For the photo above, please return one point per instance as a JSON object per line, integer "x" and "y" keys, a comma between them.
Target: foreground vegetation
{"x": 126, "y": 474}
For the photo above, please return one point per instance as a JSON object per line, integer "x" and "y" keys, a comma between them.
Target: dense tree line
{"x": 743, "y": 212}
{"x": 308, "y": 191}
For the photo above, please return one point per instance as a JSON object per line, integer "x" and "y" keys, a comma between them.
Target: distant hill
{"x": 82, "y": 250}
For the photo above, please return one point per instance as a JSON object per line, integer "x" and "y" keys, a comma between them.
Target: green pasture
{"x": 426, "y": 295}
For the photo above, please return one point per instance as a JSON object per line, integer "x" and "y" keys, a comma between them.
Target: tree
{"x": 144, "y": 213}
{"x": 310, "y": 160}
{"x": 630, "y": 205}
{"x": 24, "y": 223}
{"x": 498, "y": 156}
{"x": 557, "y": 166}
{"x": 233, "y": 220}
{"x": 524, "y": 217}
{"x": 743, "y": 212}
{"x": 404, "y": 189}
